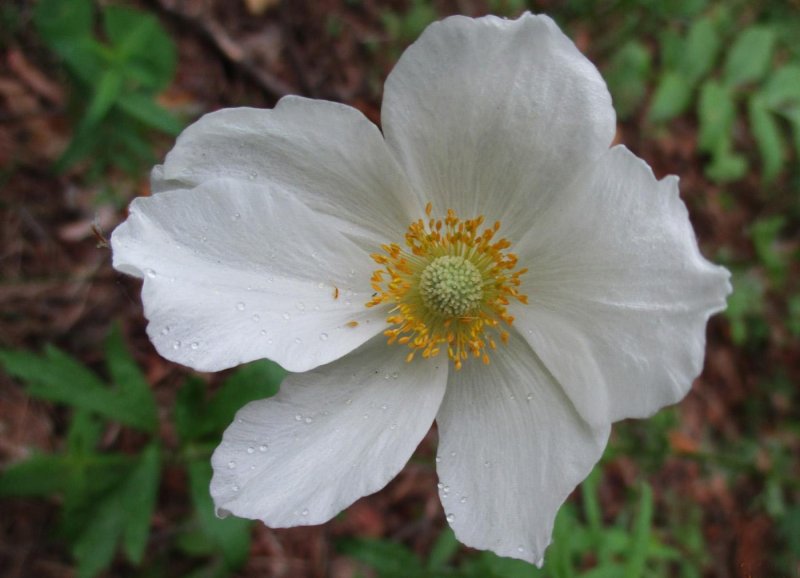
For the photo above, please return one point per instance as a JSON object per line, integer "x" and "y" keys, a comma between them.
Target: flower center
{"x": 449, "y": 288}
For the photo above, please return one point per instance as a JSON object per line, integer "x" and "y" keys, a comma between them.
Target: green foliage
{"x": 745, "y": 309}
{"x": 404, "y": 28}
{"x": 115, "y": 80}
{"x": 630, "y": 547}
{"x": 627, "y": 75}
{"x": 109, "y": 497}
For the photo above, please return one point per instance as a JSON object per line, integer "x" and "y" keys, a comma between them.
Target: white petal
{"x": 329, "y": 437}
{"x": 328, "y": 155}
{"x": 234, "y": 272}
{"x": 512, "y": 448}
{"x": 492, "y": 116}
{"x": 619, "y": 292}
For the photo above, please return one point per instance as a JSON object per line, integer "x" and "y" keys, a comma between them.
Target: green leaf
{"x": 389, "y": 559}
{"x": 106, "y": 92}
{"x": 138, "y": 499}
{"x": 750, "y": 57}
{"x": 782, "y": 88}
{"x": 765, "y": 233}
{"x": 726, "y": 166}
{"x": 443, "y": 550}
{"x": 140, "y": 43}
{"x": 627, "y": 75}
{"x": 61, "y": 22}
{"x": 196, "y": 419}
{"x": 716, "y": 112}
{"x": 671, "y": 98}
{"x": 130, "y": 381}
{"x": 231, "y": 535}
{"x": 640, "y": 538}
{"x": 700, "y": 50}
{"x": 145, "y": 110}
{"x": 58, "y": 377}
{"x": 39, "y": 475}
{"x": 768, "y": 137}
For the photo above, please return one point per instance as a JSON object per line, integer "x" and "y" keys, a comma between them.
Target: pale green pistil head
{"x": 451, "y": 286}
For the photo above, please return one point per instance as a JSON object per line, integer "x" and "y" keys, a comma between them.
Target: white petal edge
{"x": 235, "y": 272}
{"x": 327, "y": 438}
{"x": 493, "y": 117}
{"x": 328, "y": 155}
{"x": 619, "y": 294}
{"x": 512, "y": 448}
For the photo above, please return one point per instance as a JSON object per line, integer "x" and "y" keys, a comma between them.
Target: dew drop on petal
{"x": 251, "y": 449}
{"x": 256, "y": 317}
{"x": 240, "y": 306}
{"x": 286, "y": 316}
{"x": 463, "y": 500}
{"x": 165, "y": 330}
{"x": 308, "y": 420}
{"x": 194, "y": 345}
{"x": 298, "y": 341}
{"x": 440, "y": 485}
{"x": 235, "y": 488}
{"x": 393, "y": 426}
{"x": 151, "y": 273}
{"x": 384, "y": 407}
{"x": 262, "y": 448}
{"x": 304, "y": 512}
{"x": 323, "y": 336}
{"x": 529, "y": 397}
{"x": 176, "y": 345}
{"x": 231, "y": 465}
{"x": 520, "y": 549}
{"x": 452, "y": 454}
{"x": 438, "y": 459}
{"x": 450, "y": 518}
{"x": 263, "y": 332}
{"x": 298, "y": 417}
{"x": 300, "y": 306}
{"x": 236, "y": 216}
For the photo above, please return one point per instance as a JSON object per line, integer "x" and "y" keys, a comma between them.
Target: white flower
{"x": 300, "y": 234}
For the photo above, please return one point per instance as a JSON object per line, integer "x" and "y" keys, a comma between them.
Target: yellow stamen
{"x": 449, "y": 288}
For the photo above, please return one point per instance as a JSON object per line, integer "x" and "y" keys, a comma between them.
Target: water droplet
{"x": 348, "y": 401}
{"x": 520, "y": 549}
{"x": 286, "y": 316}
{"x": 450, "y": 518}
{"x": 395, "y": 375}
{"x": 231, "y": 465}
{"x": 529, "y": 397}
{"x": 236, "y": 216}
{"x": 304, "y": 512}
{"x": 487, "y": 464}
{"x": 235, "y": 488}
{"x": 239, "y": 420}
{"x": 393, "y": 426}
{"x": 151, "y": 273}
{"x": 298, "y": 341}
{"x": 166, "y": 330}
{"x": 262, "y": 448}
{"x": 252, "y": 467}
{"x": 240, "y": 306}
{"x": 446, "y": 489}
{"x": 440, "y": 485}
{"x": 176, "y": 345}
{"x": 384, "y": 407}
{"x": 463, "y": 500}
{"x": 438, "y": 459}
{"x": 252, "y": 176}
{"x": 512, "y": 397}
{"x": 452, "y": 454}
{"x": 256, "y": 317}
{"x": 269, "y": 340}
{"x": 323, "y": 336}
{"x": 298, "y": 417}
{"x": 308, "y": 420}
{"x": 251, "y": 449}
{"x": 366, "y": 416}
{"x": 300, "y": 306}
{"x": 321, "y": 285}
{"x": 263, "y": 332}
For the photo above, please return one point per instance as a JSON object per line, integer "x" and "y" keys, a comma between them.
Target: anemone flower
{"x": 488, "y": 262}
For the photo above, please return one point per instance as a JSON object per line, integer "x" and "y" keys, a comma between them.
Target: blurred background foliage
{"x": 105, "y": 446}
